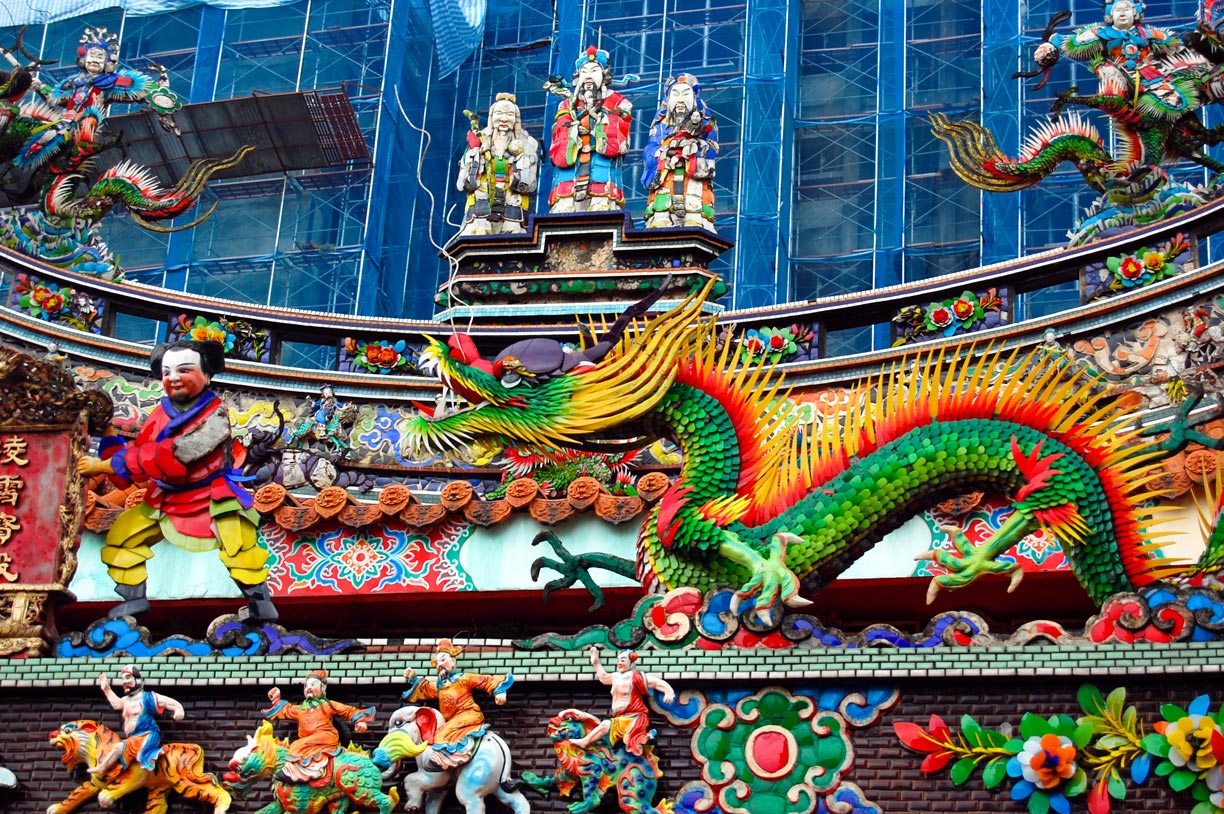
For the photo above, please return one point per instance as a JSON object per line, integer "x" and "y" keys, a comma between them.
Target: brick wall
{"x": 221, "y": 718}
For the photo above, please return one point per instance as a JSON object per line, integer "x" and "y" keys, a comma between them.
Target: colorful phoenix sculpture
{"x": 775, "y": 508}
{"x": 1152, "y": 88}
{"x": 50, "y": 137}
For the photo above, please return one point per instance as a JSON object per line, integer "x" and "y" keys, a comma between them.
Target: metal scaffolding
{"x": 829, "y": 180}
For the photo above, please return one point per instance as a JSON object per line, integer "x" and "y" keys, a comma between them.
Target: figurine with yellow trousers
{"x": 182, "y": 457}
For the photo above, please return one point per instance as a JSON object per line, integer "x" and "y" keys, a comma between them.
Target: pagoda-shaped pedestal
{"x": 583, "y": 263}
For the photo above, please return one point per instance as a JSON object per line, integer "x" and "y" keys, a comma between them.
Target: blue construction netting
{"x": 829, "y": 180}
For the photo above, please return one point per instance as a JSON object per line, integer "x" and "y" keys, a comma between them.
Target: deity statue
{"x": 589, "y": 137}
{"x": 457, "y": 738}
{"x": 630, "y": 721}
{"x": 141, "y": 742}
{"x": 679, "y": 159}
{"x": 182, "y": 456}
{"x": 1124, "y": 54}
{"x": 498, "y": 171}
{"x": 78, "y": 104}
{"x": 318, "y": 740}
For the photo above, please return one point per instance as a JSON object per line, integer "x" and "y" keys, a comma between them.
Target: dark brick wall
{"x": 220, "y": 720}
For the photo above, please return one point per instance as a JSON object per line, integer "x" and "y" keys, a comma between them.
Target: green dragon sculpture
{"x": 775, "y": 508}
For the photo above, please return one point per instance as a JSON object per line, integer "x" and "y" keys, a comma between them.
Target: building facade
{"x": 829, "y": 180}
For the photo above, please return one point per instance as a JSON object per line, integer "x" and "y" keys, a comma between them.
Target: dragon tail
{"x": 146, "y": 201}
{"x": 978, "y": 161}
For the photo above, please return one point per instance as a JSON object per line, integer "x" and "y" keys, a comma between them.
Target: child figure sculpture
{"x": 183, "y": 457}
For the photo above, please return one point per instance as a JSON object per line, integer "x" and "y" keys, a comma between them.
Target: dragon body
{"x": 773, "y": 507}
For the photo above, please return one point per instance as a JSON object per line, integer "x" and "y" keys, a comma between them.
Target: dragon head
{"x": 461, "y": 369}
{"x": 578, "y": 404}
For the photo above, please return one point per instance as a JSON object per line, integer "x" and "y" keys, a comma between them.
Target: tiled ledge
{"x": 757, "y": 664}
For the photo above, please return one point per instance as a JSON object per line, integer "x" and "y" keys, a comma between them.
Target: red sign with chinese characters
{"x": 33, "y": 480}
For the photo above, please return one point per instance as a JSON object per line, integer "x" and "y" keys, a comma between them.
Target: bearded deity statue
{"x": 498, "y": 171}
{"x": 679, "y": 171}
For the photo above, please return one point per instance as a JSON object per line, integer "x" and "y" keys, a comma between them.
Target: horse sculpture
{"x": 351, "y": 781}
{"x": 487, "y": 773}
{"x": 179, "y": 769}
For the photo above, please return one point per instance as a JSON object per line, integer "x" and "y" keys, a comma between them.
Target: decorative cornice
{"x": 396, "y": 504}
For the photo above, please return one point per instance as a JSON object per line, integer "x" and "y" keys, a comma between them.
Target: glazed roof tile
{"x": 458, "y": 499}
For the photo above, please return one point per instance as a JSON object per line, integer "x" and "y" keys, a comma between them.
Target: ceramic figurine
{"x": 679, "y": 159}
{"x": 587, "y": 773}
{"x": 499, "y": 171}
{"x": 141, "y": 733}
{"x": 182, "y": 457}
{"x": 1121, "y": 51}
{"x": 486, "y": 773}
{"x": 52, "y": 135}
{"x": 463, "y": 724}
{"x": 117, "y": 766}
{"x": 352, "y": 782}
{"x": 589, "y": 138}
{"x": 1152, "y": 87}
{"x": 329, "y": 424}
{"x": 595, "y": 755}
{"x": 78, "y": 104}
{"x": 318, "y": 741}
{"x": 630, "y": 721}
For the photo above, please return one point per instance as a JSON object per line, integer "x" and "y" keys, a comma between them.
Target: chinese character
{"x": 11, "y": 450}
{"x": 10, "y": 488}
{"x": 9, "y": 525}
{"x": 5, "y": 573}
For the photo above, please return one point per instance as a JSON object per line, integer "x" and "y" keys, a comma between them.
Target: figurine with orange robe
{"x": 318, "y": 739}
{"x": 455, "y": 740}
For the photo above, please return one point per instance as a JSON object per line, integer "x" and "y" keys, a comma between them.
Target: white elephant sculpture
{"x": 487, "y": 773}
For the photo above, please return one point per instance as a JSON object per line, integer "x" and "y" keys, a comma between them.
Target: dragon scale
{"x": 845, "y": 517}
{"x": 763, "y": 503}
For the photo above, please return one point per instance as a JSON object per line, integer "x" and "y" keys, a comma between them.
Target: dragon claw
{"x": 771, "y": 579}
{"x": 965, "y": 563}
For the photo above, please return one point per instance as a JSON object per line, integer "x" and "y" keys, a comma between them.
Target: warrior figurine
{"x": 630, "y": 721}
{"x": 457, "y": 738}
{"x": 318, "y": 740}
{"x": 78, "y": 104}
{"x": 498, "y": 171}
{"x": 589, "y": 137}
{"x": 183, "y": 458}
{"x": 1127, "y": 56}
{"x": 679, "y": 159}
